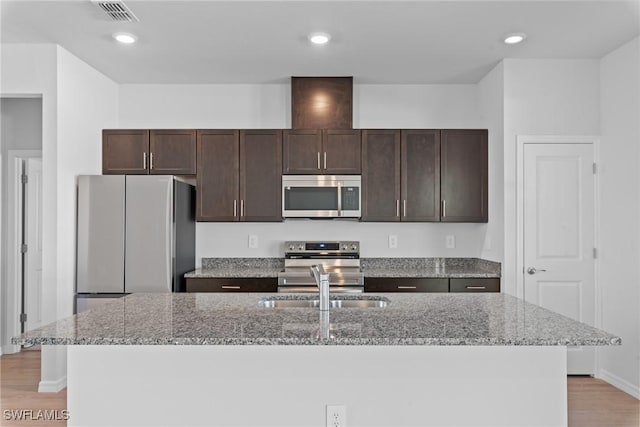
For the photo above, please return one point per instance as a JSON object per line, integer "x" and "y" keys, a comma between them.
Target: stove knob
{"x": 354, "y": 247}
{"x": 292, "y": 247}
{"x": 345, "y": 247}
{"x": 301, "y": 247}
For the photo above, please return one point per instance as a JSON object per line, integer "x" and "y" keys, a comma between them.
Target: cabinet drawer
{"x": 391, "y": 284}
{"x": 474, "y": 285}
{"x": 232, "y": 285}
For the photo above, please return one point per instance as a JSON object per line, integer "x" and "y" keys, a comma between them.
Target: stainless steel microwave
{"x": 321, "y": 196}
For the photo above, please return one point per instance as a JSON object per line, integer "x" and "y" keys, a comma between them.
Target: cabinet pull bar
{"x": 318, "y": 160}
{"x": 398, "y": 208}
{"x": 230, "y": 287}
{"x": 235, "y": 211}
{"x": 444, "y": 208}
{"x": 404, "y": 208}
{"x": 325, "y": 159}
{"x": 151, "y": 160}
{"x": 475, "y": 287}
{"x": 407, "y": 287}
{"x": 241, "y": 207}
{"x": 144, "y": 160}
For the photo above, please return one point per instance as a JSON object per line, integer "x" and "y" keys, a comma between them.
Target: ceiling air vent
{"x": 117, "y": 10}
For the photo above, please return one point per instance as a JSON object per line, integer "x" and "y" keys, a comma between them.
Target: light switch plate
{"x": 253, "y": 241}
{"x": 393, "y": 241}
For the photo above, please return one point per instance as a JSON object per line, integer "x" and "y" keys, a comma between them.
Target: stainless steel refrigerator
{"x": 135, "y": 233}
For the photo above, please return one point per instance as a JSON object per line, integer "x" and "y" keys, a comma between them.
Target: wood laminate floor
{"x": 592, "y": 402}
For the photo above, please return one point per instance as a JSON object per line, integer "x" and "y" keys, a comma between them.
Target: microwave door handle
{"x": 339, "y": 199}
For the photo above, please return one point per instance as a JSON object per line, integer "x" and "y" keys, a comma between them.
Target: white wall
{"x": 620, "y": 210}
{"x": 268, "y": 106}
{"x": 30, "y": 70}
{"x": 87, "y": 103}
{"x": 491, "y": 101}
{"x": 542, "y": 97}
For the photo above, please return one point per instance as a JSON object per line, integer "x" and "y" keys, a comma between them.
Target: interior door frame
{"x": 14, "y": 259}
{"x": 521, "y": 140}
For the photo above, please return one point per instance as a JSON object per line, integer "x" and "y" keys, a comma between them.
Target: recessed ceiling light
{"x": 126, "y": 38}
{"x": 319, "y": 38}
{"x": 515, "y": 38}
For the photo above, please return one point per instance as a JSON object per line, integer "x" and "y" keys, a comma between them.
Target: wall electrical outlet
{"x": 450, "y": 242}
{"x": 253, "y": 241}
{"x": 336, "y": 416}
{"x": 393, "y": 241}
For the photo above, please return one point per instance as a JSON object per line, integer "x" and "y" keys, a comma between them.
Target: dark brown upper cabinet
{"x": 239, "y": 175}
{"x": 172, "y": 152}
{"x": 381, "y": 175}
{"x": 260, "y": 177}
{"x": 217, "y": 180}
{"x": 464, "y": 175}
{"x": 315, "y": 151}
{"x": 321, "y": 102}
{"x": 157, "y": 152}
{"x": 420, "y": 175}
{"x": 401, "y": 175}
{"x": 125, "y": 151}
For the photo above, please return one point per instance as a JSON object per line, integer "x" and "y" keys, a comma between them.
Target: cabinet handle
{"x": 242, "y": 207}
{"x": 230, "y": 287}
{"x": 151, "y": 160}
{"x": 325, "y": 159}
{"x": 398, "y": 208}
{"x": 444, "y": 208}
{"x": 475, "y": 287}
{"x": 318, "y": 160}
{"x": 407, "y": 287}
{"x": 235, "y": 211}
{"x": 144, "y": 160}
{"x": 404, "y": 208}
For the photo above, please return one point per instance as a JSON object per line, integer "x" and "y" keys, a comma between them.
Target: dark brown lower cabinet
{"x": 250, "y": 284}
{"x": 408, "y": 284}
{"x": 474, "y": 285}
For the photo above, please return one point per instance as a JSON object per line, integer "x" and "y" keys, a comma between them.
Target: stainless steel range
{"x": 340, "y": 259}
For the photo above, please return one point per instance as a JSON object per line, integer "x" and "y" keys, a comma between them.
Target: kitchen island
{"x": 225, "y": 359}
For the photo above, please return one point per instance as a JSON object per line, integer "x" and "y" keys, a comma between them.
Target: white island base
{"x": 255, "y": 385}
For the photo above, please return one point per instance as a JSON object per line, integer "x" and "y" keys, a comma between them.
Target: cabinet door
{"x": 217, "y": 180}
{"x": 172, "y": 152}
{"x": 260, "y": 177}
{"x": 301, "y": 151}
{"x": 474, "y": 285}
{"x": 464, "y": 176}
{"x": 380, "y": 175}
{"x": 420, "y": 182}
{"x": 405, "y": 284}
{"x": 125, "y": 152}
{"x": 341, "y": 151}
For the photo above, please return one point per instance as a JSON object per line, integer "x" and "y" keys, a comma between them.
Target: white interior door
{"x": 33, "y": 235}
{"x": 559, "y": 268}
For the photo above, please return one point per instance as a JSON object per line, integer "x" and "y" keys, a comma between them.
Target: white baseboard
{"x": 52, "y": 386}
{"x": 10, "y": 349}
{"x": 619, "y": 383}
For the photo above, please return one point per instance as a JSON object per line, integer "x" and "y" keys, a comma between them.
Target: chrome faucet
{"x": 322, "y": 280}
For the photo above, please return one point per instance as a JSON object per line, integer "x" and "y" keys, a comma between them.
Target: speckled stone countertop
{"x": 430, "y": 267}
{"x": 238, "y": 267}
{"x": 372, "y": 267}
{"x": 237, "y": 319}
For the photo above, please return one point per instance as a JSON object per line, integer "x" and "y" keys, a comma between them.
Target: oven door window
{"x": 311, "y": 198}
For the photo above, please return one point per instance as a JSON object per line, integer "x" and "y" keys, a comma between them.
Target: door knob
{"x": 533, "y": 270}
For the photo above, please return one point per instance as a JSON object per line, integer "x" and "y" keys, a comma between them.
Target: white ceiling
{"x": 374, "y": 41}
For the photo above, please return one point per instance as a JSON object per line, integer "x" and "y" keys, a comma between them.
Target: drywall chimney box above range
{"x": 322, "y": 102}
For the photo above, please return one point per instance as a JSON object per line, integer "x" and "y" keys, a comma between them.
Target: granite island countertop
{"x": 237, "y": 319}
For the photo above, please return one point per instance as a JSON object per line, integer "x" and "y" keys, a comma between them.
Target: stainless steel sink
{"x": 313, "y": 302}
